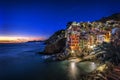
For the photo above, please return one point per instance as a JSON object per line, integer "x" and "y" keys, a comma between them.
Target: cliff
{"x": 56, "y": 43}
{"x": 56, "y": 36}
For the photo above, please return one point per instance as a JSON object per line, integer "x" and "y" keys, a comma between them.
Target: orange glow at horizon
{"x": 8, "y": 39}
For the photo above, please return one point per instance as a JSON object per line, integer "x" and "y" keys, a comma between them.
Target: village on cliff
{"x": 97, "y": 41}
{"x": 86, "y": 35}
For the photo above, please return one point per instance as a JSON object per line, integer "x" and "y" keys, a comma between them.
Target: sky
{"x": 41, "y": 18}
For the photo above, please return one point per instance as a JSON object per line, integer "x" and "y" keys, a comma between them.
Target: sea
{"x": 21, "y": 61}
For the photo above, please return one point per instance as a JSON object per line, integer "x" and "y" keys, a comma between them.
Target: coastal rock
{"x": 55, "y": 47}
{"x": 56, "y": 43}
{"x": 60, "y": 34}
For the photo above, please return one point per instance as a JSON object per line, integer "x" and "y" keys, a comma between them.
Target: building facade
{"x": 86, "y": 34}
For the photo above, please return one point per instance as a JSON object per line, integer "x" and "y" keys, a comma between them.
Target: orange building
{"x": 73, "y": 39}
{"x": 74, "y": 42}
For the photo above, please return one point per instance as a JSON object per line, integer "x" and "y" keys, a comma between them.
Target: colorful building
{"x": 82, "y": 35}
{"x": 73, "y": 39}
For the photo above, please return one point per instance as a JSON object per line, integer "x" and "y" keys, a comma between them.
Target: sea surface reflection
{"x": 73, "y": 71}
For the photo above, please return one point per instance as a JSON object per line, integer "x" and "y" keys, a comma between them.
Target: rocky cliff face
{"x": 55, "y": 47}
{"x": 56, "y": 36}
{"x": 56, "y": 43}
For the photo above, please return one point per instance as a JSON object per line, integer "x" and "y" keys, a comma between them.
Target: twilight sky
{"x": 41, "y": 18}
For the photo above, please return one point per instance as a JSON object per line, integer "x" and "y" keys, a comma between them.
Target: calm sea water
{"x": 20, "y": 62}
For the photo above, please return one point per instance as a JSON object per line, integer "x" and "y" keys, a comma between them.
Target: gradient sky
{"x": 41, "y": 18}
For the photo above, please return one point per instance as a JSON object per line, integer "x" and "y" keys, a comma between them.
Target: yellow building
{"x": 107, "y": 37}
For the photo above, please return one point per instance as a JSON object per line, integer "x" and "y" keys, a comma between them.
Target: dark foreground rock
{"x": 55, "y": 47}
{"x": 55, "y": 44}
{"x": 56, "y": 36}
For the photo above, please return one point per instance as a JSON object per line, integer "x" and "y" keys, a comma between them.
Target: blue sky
{"x": 41, "y": 18}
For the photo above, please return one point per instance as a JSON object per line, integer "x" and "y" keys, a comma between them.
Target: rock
{"x": 56, "y": 47}
{"x": 56, "y": 36}
{"x": 55, "y": 44}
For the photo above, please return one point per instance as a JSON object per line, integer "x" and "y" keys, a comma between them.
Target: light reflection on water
{"x": 73, "y": 71}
